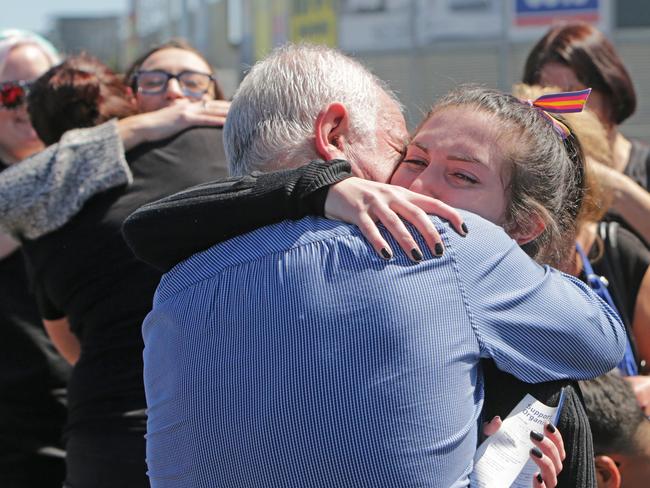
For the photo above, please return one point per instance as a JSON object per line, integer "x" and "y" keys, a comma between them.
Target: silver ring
{"x": 204, "y": 104}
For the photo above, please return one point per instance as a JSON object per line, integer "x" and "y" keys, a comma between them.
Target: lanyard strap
{"x": 596, "y": 282}
{"x": 599, "y": 285}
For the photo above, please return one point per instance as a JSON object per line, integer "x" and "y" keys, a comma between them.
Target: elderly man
{"x": 293, "y": 356}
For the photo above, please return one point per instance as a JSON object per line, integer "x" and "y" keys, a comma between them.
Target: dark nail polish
{"x": 551, "y": 428}
{"x": 417, "y": 255}
{"x": 535, "y": 451}
{"x": 385, "y": 253}
{"x": 464, "y": 227}
{"x": 439, "y": 249}
{"x": 536, "y": 436}
{"x": 539, "y": 478}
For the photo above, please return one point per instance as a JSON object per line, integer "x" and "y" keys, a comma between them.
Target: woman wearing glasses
{"x": 150, "y": 75}
{"x": 93, "y": 294}
{"x": 165, "y": 81}
{"x": 173, "y": 88}
{"x": 32, "y": 375}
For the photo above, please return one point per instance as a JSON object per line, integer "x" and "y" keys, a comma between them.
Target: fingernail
{"x": 494, "y": 419}
{"x": 439, "y": 249}
{"x": 536, "y": 436}
{"x": 535, "y": 451}
{"x": 540, "y": 480}
{"x": 417, "y": 255}
{"x": 464, "y": 227}
{"x": 550, "y": 427}
{"x": 385, "y": 253}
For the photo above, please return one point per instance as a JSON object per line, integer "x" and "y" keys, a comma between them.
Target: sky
{"x": 36, "y": 14}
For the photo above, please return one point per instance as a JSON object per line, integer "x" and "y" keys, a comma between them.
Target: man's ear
{"x": 607, "y": 473}
{"x": 531, "y": 230}
{"x": 331, "y": 130}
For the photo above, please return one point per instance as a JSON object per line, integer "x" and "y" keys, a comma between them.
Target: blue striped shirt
{"x": 293, "y": 356}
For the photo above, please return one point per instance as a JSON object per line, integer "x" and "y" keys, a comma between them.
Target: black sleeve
{"x": 46, "y": 308}
{"x": 169, "y": 230}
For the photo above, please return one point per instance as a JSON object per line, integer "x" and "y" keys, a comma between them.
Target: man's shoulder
{"x": 479, "y": 222}
{"x": 288, "y": 235}
{"x": 321, "y": 238}
{"x": 263, "y": 244}
{"x": 481, "y": 232}
{"x": 281, "y": 237}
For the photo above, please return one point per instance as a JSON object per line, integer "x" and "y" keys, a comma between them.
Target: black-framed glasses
{"x": 192, "y": 83}
{"x": 14, "y": 93}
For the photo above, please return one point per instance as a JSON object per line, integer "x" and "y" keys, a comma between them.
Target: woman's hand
{"x": 548, "y": 455}
{"x": 548, "y": 452}
{"x": 364, "y": 203}
{"x": 163, "y": 123}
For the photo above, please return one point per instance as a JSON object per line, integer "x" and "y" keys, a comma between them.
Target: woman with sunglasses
{"x": 87, "y": 161}
{"x": 32, "y": 375}
{"x": 23, "y": 58}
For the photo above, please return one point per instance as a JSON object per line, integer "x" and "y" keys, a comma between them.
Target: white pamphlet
{"x": 503, "y": 460}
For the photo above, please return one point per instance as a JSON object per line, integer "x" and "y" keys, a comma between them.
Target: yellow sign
{"x": 314, "y": 21}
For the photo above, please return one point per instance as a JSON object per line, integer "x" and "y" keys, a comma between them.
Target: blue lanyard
{"x": 599, "y": 284}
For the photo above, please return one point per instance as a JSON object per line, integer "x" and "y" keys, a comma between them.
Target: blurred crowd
{"x": 319, "y": 321}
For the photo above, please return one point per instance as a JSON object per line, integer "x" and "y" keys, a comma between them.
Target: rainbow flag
{"x": 563, "y": 103}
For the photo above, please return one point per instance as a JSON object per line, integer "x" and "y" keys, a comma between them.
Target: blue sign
{"x": 539, "y": 13}
{"x": 555, "y": 6}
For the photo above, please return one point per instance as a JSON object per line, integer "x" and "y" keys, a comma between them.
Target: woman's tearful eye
{"x": 416, "y": 162}
{"x": 464, "y": 178}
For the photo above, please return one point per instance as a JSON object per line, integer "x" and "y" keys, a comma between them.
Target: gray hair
{"x": 546, "y": 173}
{"x": 270, "y": 124}
{"x": 11, "y": 39}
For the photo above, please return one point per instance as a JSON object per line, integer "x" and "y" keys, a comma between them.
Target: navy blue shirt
{"x": 293, "y": 356}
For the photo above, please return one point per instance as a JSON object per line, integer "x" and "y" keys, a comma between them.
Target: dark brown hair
{"x": 130, "y": 76}
{"x": 592, "y": 57}
{"x": 80, "y": 92}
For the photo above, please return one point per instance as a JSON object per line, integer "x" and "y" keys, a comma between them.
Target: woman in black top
{"x": 85, "y": 275}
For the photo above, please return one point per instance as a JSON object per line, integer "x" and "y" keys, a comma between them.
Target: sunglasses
{"x": 13, "y": 93}
{"x": 192, "y": 83}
